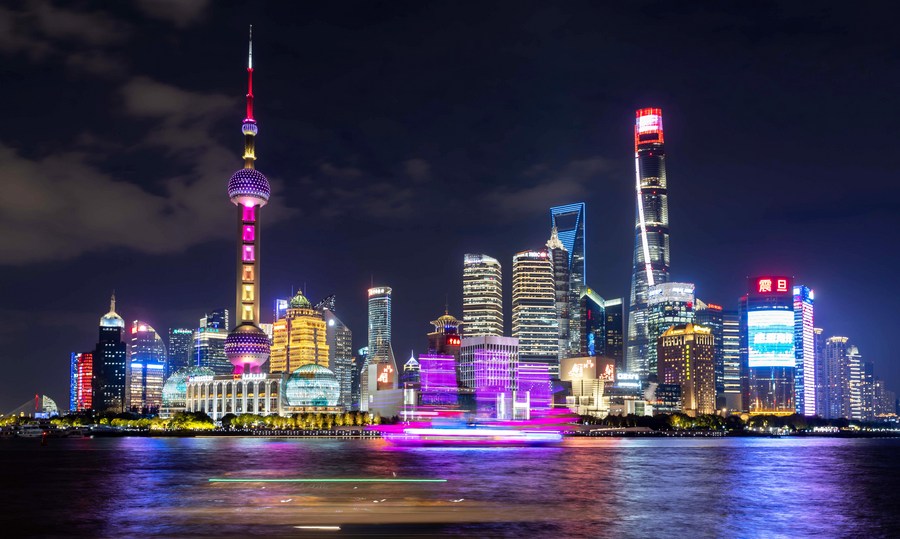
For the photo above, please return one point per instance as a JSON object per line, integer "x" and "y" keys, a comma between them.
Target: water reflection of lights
{"x": 321, "y": 480}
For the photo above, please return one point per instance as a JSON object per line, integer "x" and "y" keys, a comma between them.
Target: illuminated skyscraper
{"x": 482, "y": 296}
{"x": 340, "y": 349}
{"x": 81, "y": 382}
{"x": 821, "y": 380}
{"x": 534, "y": 320}
{"x": 109, "y": 363}
{"x": 146, "y": 368}
{"x": 247, "y": 346}
{"x": 668, "y": 304}
{"x": 569, "y": 222}
{"x": 686, "y": 358}
{"x": 804, "y": 351}
{"x": 559, "y": 256}
{"x": 445, "y": 339}
{"x": 379, "y": 371}
{"x": 208, "y": 345}
{"x": 615, "y": 331}
{"x": 300, "y": 338}
{"x": 731, "y": 361}
{"x": 836, "y": 391}
{"x": 767, "y": 345}
{"x": 593, "y": 324}
{"x": 651, "y": 242}
{"x": 380, "y": 324}
{"x": 710, "y": 315}
{"x": 179, "y": 349}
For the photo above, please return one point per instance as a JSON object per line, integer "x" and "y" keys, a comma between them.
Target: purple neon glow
{"x": 437, "y": 376}
{"x": 248, "y": 254}
{"x": 248, "y": 214}
{"x": 545, "y": 429}
{"x": 535, "y": 379}
{"x": 249, "y": 233}
{"x": 247, "y": 348}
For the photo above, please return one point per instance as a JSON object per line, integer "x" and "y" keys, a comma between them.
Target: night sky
{"x": 401, "y": 135}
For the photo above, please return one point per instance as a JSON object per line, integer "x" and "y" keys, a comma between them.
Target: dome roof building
{"x": 312, "y": 385}
{"x": 112, "y": 318}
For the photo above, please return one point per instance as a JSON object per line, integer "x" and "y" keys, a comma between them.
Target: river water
{"x": 609, "y": 487}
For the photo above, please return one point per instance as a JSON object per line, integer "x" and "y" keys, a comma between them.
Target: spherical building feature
{"x": 312, "y": 385}
{"x": 247, "y": 348}
{"x": 249, "y": 187}
{"x": 249, "y": 128}
{"x": 174, "y": 392}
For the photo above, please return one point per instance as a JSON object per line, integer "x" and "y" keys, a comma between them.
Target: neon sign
{"x": 771, "y": 285}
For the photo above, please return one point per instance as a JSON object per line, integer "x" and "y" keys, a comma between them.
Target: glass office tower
{"x": 482, "y": 296}
{"x": 569, "y": 222}
{"x": 651, "y": 243}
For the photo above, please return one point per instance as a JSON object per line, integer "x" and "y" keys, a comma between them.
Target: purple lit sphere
{"x": 247, "y": 348}
{"x": 249, "y": 128}
{"x": 248, "y": 187}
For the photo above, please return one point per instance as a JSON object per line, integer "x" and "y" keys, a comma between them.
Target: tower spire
{"x": 112, "y": 302}
{"x": 250, "y": 79}
{"x": 249, "y": 127}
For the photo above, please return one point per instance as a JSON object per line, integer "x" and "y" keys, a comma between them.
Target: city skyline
{"x": 168, "y": 298}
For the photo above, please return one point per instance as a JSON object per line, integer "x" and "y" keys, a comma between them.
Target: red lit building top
{"x": 648, "y": 127}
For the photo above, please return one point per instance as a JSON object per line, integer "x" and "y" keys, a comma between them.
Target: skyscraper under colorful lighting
{"x": 247, "y": 346}
{"x": 651, "y": 231}
{"x": 804, "y": 351}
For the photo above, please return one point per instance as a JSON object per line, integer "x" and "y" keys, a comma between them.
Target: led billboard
{"x": 770, "y": 338}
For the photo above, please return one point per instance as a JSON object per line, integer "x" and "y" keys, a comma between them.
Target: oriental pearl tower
{"x": 247, "y": 346}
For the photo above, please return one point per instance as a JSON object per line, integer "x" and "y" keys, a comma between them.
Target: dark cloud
{"x": 181, "y": 13}
{"x": 418, "y": 170}
{"x": 544, "y": 187}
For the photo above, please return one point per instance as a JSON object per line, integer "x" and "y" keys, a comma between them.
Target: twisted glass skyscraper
{"x": 651, "y": 232}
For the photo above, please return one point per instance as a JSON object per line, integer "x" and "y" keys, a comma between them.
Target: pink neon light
{"x": 248, "y": 253}
{"x": 248, "y": 214}
{"x": 249, "y": 233}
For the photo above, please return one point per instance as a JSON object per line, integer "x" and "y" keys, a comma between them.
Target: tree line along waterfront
{"x": 357, "y": 423}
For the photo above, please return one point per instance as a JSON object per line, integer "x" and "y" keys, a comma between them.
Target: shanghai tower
{"x": 651, "y": 232}
{"x": 247, "y": 346}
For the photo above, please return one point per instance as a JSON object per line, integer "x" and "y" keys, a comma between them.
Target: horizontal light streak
{"x": 321, "y": 480}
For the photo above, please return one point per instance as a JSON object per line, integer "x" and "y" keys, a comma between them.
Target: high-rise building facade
{"x": 614, "y": 310}
{"x": 836, "y": 390}
{"x": 885, "y": 400}
{"x": 593, "y": 324}
{"x": 300, "y": 338}
{"x": 482, "y": 296}
{"x": 82, "y": 366}
{"x": 379, "y": 323}
{"x": 710, "y": 315}
{"x": 731, "y": 362}
{"x": 446, "y": 338}
{"x": 379, "y": 371}
{"x": 767, "y": 345}
{"x": 247, "y": 346}
{"x": 821, "y": 380}
{"x": 804, "y": 351}
{"x": 179, "y": 350}
{"x": 866, "y": 385}
{"x": 651, "y": 244}
{"x": 668, "y": 304}
{"x": 340, "y": 351}
{"x": 109, "y": 364}
{"x": 534, "y": 320}
{"x": 569, "y": 222}
{"x": 146, "y": 369}
{"x": 559, "y": 256}
{"x": 687, "y": 358}
{"x": 208, "y": 343}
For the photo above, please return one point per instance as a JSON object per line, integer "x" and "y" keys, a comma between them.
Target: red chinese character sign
{"x": 770, "y": 285}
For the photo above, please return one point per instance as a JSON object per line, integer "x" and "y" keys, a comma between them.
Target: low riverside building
{"x": 309, "y": 389}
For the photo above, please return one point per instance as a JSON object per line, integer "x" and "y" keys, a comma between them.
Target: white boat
{"x": 31, "y": 431}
